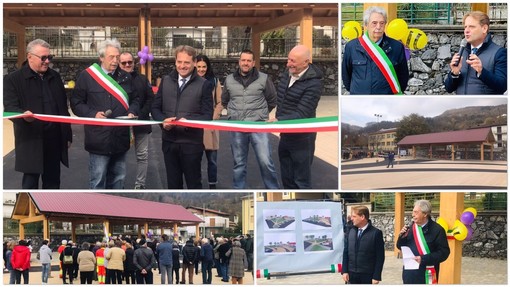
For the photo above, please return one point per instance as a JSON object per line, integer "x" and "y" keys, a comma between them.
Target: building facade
{"x": 382, "y": 140}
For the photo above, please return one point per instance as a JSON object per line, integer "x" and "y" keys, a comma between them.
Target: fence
{"x": 429, "y": 13}
{"x": 220, "y": 42}
{"x": 482, "y": 201}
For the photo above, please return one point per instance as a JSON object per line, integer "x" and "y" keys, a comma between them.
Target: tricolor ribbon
{"x": 323, "y": 124}
{"x": 423, "y": 249}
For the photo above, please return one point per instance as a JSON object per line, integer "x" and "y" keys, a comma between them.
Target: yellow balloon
{"x": 470, "y": 209}
{"x": 71, "y": 84}
{"x": 397, "y": 29}
{"x": 416, "y": 39}
{"x": 460, "y": 231}
{"x": 351, "y": 30}
{"x": 441, "y": 221}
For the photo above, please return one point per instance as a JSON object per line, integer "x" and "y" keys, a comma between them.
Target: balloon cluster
{"x": 461, "y": 229}
{"x": 149, "y": 234}
{"x": 351, "y": 30}
{"x": 414, "y": 39}
{"x": 145, "y": 56}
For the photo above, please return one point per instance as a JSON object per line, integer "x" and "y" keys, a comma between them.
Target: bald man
{"x": 299, "y": 92}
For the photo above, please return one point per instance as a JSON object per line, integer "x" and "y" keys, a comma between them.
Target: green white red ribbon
{"x": 323, "y": 124}
{"x": 109, "y": 84}
{"x": 423, "y": 249}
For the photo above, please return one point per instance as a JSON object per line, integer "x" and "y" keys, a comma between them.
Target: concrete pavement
{"x": 475, "y": 271}
{"x": 324, "y": 169}
{"x": 372, "y": 173}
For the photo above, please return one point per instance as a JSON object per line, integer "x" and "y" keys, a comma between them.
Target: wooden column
{"x": 146, "y": 228}
{"x": 162, "y": 230}
{"x": 176, "y": 231}
{"x": 484, "y": 7}
{"x": 274, "y": 196}
{"x": 46, "y": 229}
{"x": 399, "y": 218}
{"x": 197, "y": 230}
{"x": 306, "y": 29}
{"x": 481, "y": 151}
{"x": 451, "y": 205}
{"x": 139, "y": 231}
{"x": 21, "y": 230}
{"x": 414, "y": 152}
{"x": 144, "y": 34}
{"x": 255, "y": 47}
{"x": 391, "y": 9}
{"x": 492, "y": 152}
{"x": 453, "y": 152}
{"x": 106, "y": 226}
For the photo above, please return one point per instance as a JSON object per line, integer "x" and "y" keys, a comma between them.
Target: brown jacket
{"x": 212, "y": 137}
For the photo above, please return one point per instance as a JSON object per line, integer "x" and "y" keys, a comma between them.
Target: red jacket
{"x": 20, "y": 257}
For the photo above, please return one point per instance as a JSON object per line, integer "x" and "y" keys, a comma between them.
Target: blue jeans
{"x": 107, "y": 171}
{"x": 207, "y": 272}
{"x": 212, "y": 166}
{"x": 45, "y": 272}
{"x": 142, "y": 157}
{"x": 166, "y": 271}
{"x": 224, "y": 271}
{"x": 240, "y": 144}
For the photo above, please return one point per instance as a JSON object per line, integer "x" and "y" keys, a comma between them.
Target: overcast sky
{"x": 360, "y": 110}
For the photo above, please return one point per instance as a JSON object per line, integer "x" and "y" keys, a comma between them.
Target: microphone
{"x": 108, "y": 113}
{"x": 408, "y": 226}
{"x": 461, "y": 51}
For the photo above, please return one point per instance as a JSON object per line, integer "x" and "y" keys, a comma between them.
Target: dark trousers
{"x": 183, "y": 159}
{"x": 360, "y": 278}
{"x": 115, "y": 276}
{"x": 207, "y": 272}
{"x": 67, "y": 269}
{"x": 144, "y": 278}
{"x": 296, "y": 154}
{"x": 18, "y": 275}
{"x": 51, "y": 163}
{"x": 130, "y": 275}
{"x": 86, "y": 277}
{"x": 176, "y": 276}
{"x": 189, "y": 267}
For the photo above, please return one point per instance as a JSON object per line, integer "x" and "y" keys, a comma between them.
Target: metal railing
{"x": 74, "y": 42}
{"x": 429, "y": 13}
{"x": 482, "y": 201}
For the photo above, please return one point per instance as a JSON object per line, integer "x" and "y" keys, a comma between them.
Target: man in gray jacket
{"x": 45, "y": 257}
{"x": 249, "y": 95}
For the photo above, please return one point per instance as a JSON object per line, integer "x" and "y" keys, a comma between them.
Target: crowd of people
{"x": 123, "y": 260}
{"x": 113, "y": 88}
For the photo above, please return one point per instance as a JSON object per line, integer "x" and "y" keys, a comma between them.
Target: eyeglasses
{"x": 128, "y": 63}
{"x": 44, "y": 58}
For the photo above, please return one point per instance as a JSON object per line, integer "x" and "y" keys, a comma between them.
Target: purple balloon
{"x": 142, "y": 61}
{"x": 145, "y": 49}
{"x": 140, "y": 53}
{"x": 470, "y": 233}
{"x": 151, "y": 57}
{"x": 408, "y": 53}
{"x": 467, "y": 217}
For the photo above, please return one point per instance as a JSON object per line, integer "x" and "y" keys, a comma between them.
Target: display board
{"x": 297, "y": 236}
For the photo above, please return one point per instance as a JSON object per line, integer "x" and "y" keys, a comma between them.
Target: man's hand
{"x": 417, "y": 259}
{"x": 346, "y": 277}
{"x": 167, "y": 123}
{"x": 131, "y": 115}
{"x": 456, "y": 58}
{"x": 375, "y": 281}
{"x": 29, "y": 119}
{"x": 272, "y": 120}
{"x": 475, "y": 63}
{"x": 101, "y": 115}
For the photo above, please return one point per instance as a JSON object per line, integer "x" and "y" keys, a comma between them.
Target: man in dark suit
{"x": 363, "y": 257}
{"x": 40, "y": 146}
{"x": 429, "y": 252}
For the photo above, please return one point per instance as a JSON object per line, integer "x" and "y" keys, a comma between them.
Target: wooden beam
{"x": 255, "y": 47}
{"x": 46, "y": 229}
{"x": 197, "y": 230}
{"x": 73, "y": 232}
{"x": 481, "y": 152}
{"x": 176, "y": 232}
{"x": 149, "y": 37}
{"x": 451, "y": 205}
{"x": 453, "y": 152}
{"x": 274, "y": 196}
{"x": 21, "y": 230}
{"x": 282, "y": 21}
{"x": 33, "y": 219}
{"x": 399, "y": 218}
{"x": 207, "y": 21}
{"x": 142, "y": 36}
{"x": 483, "y": 7}
{"x": 13, "y": 27}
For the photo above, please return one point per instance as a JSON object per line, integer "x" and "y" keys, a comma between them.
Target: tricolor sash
{"x": 423, "y": 249}
{"x": 382, "y": 61}
{"x": 109, "y": 84}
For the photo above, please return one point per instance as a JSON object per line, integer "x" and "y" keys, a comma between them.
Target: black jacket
{"x": 22, "y": 92}
{"x": 193, "y": 103}
{"x": 146, "y": 97}
{"x": 89, "y": 98}
{"x": 435, "y": 236}
{"x": 190, "y": 253}
{"x": 360, "y": 74}
{"x": 365, "y": 255}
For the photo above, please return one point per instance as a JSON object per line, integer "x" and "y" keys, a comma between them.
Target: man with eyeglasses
{"x": 375, "y": 63}
{"x": 106, "y": 91}
{"x": 146, "y": 96}
{"x": 40, "y": 146}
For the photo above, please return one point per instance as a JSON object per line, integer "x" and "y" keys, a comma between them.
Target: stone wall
{"x": 428, "y": 67}
{"x": 69, "y": 69}
{"x": 489, "y": 238}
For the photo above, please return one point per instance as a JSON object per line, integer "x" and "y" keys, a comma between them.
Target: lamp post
{"x": 377, "y": 136}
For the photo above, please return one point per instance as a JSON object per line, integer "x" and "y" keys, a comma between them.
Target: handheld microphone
{"x": 408, "y": 226}
{"x": 461, "y": 51}
{"x": 108, "y": 113}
